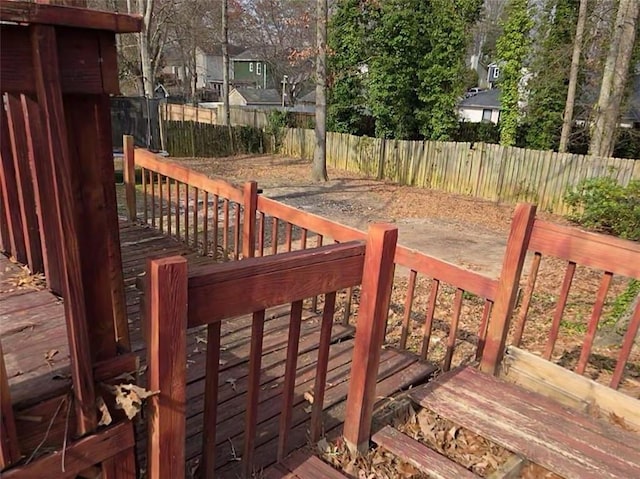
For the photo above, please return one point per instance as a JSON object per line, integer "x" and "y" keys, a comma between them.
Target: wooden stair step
{"x": 303, "y": 465}
{"x": 417, "y": 454}
{"x": 568, "y": 443}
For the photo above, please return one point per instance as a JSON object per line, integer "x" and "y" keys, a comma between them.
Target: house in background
{"x": 483, "y": 106}
{"x": 209, "y": 67}
{"x": 250, "y": 70}
{"x": 255, "y": 97}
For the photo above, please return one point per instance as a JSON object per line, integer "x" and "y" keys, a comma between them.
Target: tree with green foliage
{"x": 513, "y": 50}
{"x": 402, "y": 62}
{"x": 442, "y": 70}
{"x": 347, "y": 44}
{"x": 548, "y": 85}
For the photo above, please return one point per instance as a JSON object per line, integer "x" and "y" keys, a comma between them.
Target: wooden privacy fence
{"x": 487, "y": 171}
{"x": 240, "y": 116}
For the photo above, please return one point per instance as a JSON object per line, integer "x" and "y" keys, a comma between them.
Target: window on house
{"x": 251, "y": 67}
{"x": 258, "y": 68}
{"x": 486, "y": 114}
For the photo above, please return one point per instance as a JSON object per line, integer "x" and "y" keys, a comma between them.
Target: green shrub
{"x": 604, "y": 205}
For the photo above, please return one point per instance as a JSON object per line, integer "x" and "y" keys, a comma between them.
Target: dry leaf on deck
{"x": 105, "y": 415}
{"x": 129, "y": 397}
{"x": 308, "y": 396}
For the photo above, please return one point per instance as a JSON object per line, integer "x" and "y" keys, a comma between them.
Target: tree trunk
{"x": 614, "y": 79}
{"x": 225, "y": 70}
{"x": 567, "y": 119}
{"x": 319, "y": 170}
{"x": 146, "y": 8}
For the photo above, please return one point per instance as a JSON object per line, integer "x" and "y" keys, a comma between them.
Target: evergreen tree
{"x": 549, "y": 84}
{"x": 513, "y": 49}
{"x": 347, "y": 44}
{"x": 413, "y": 54}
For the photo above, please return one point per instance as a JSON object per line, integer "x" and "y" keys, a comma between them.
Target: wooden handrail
{"x": 470, "y": 281}
{"x": 272, "y": 280}
{"x": 150, "y": 161}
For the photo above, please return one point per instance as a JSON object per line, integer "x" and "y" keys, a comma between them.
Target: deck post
{"x": 250, "y": 191}
{"x": 377, "y": 280}
{"x": 166, "y": 317}
{"x": 129, "y": 173}
{"x": 9, "y": 448}
{"x": 498, "y": 328}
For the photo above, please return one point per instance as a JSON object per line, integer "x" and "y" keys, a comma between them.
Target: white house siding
{"x": 474, "y": 115}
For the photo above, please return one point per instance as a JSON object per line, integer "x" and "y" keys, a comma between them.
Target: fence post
{"x": 514, "y": 257}
{"x": 249, "y": 223}
{"x": 377, "y": 280}
{"x": 166, "y": 317}
{"x": 129, "y": 173}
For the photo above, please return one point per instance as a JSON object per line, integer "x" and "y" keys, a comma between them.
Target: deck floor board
{"x": 35, "y": 325}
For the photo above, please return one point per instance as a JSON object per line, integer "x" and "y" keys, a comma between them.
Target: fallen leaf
{"x": 200, "y": 339}
{"x": 232, "y": 381}
{"x": 129, "y": 397}
{"x": 308, "y": 396}
{"x": 105, "y": 415}
{"x": 49, "y": 355}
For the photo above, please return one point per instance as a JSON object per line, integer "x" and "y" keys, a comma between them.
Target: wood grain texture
{"x": 212, "y": 382}
{"x": 594, "y": 250}
{"x": 129, "y": 173}
{"x": 121, "y": 466}
{"x": 377, "y": 281}
{"x": 9, "y": 446}
{"x": 24, "y": 184}
{"x": 526, "y": 299}
{"x": 627, "y": 345}
{"x": 79, "y": 455}
{"x": 11, "y": 200}
{"x": 498, "y": 327}
{"x": 90, "y": 150}
{"x": 253, "y": 392}
{"x": 320, "y": 383}
{"x": 66, "y": 183}
{"x": 559, "y": 310}
{"x": 306, "y": 466}
{"x": 166, "y": 359}
{"x": 250, "y": 204}
{"x": 45, "y": 195}
{"x": 569, "y": 443}
{"x": 592, "y": 326}
{"x": 539, "y": 375}
{"x": 289, "y": 378}
{"x": 424, "y": 458}
{"x": 408, "y": 303}
{"x": 38, "y": 13}
{"x": 273, "y": 280}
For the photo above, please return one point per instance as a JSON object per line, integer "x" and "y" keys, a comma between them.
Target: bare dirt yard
{"x": 459, "y": 229}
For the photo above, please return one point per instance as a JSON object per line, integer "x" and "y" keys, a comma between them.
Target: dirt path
{"x": 469, "y": 232}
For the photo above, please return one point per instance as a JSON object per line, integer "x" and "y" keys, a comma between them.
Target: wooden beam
{"x": 502, "y": 310}
{"x": 10, "y": 193}
{"x": 87, "y": 61}
{"x": 250, "y": 192}
{"x": 79, "y": 455}
{"x": 578, "y": 392}
{"x": 9, "y": 447}
{"x": 129, "y": 174}
{"x": 377, "y": 281}
{"x": 47, "y": 78}
{"x": 273, "y": 280}
{"x": 166, "y": 313}
{"x": 39, "y": 13}
{"x": 24, "y": 182}
{"x": 45, "y": 195}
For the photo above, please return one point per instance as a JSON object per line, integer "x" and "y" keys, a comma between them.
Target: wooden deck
{"x": 34, "y": 342}
{"x": 569, "y": 443}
